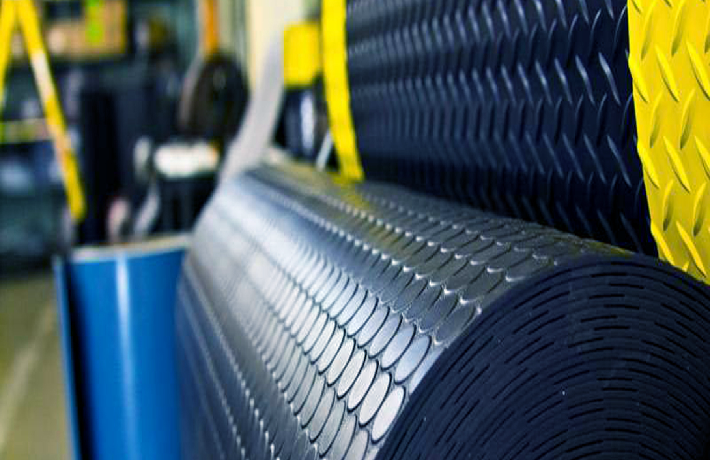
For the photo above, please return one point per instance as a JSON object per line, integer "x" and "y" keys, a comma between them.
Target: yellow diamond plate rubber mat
{"x": 670, "y": 66}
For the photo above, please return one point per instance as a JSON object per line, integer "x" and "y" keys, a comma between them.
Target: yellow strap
{"x": 670, "y": 66}
{"x": 24, "y": 11}
{"x": 337, "y": 92}
{"x": 302, "y": 54}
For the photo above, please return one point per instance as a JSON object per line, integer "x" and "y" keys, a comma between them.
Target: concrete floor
{"x": 33, "y": 422}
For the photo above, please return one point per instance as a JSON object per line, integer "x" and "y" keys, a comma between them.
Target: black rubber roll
{"x": 364, "y": 321}
{"x": 519, "y": 107}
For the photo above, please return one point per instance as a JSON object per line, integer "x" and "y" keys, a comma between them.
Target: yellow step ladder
{"x": 24, "y": 14}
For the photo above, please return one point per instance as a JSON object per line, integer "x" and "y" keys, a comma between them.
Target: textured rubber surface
{"x": 669, "y": 62}
{"x": 519, "y": 107}
{"x": 341, "y": 321}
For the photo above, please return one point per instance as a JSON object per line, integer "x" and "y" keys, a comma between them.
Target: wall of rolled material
{"x": 118, "y": 336}
{"x": 526, "y": 109}
{"x": 522, "y": 108}
{"x": 321, "y": 320}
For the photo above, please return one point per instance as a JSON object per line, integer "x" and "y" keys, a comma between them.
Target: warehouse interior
{"x": 354, "y": 229}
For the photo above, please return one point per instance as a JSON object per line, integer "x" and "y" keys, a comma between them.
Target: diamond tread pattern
{"x": 669, "y": 60}
{"x": 314, "y": 319}
{"x": 519, "y": 107}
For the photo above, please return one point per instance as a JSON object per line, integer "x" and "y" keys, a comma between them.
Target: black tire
{"x": 213, "y": 100}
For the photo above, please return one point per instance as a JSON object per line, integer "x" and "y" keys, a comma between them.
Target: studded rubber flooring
{"x": 318, "y": 320}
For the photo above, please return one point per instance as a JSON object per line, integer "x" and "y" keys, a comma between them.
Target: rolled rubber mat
{"x": 670, "y": 67}
{"x": 325, "y": 320}
{"x": 519, "y": 107}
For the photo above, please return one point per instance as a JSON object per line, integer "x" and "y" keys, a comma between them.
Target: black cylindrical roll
{"x": 519, "y": 107}
{"x": 362, "y": 321}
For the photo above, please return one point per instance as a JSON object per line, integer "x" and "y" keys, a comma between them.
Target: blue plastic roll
{"x": 117, "y": 311}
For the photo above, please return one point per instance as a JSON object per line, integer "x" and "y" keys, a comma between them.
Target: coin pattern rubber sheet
{"x": 319, "y": 319}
